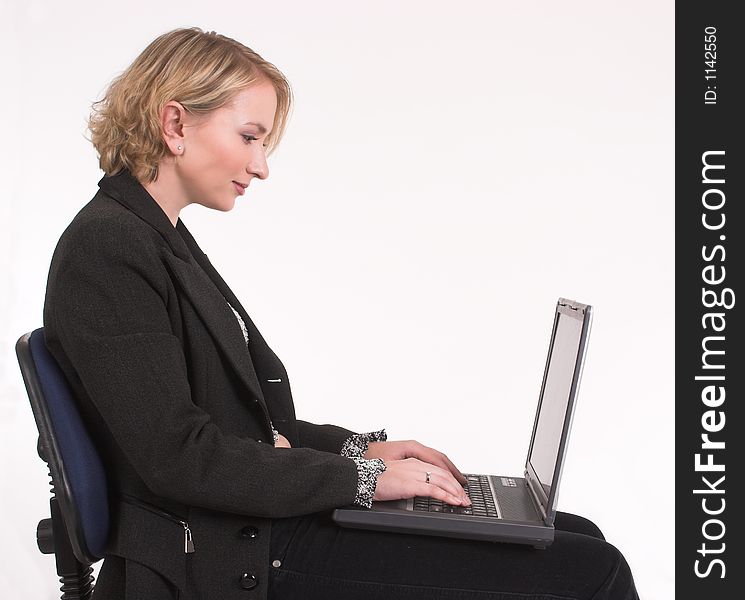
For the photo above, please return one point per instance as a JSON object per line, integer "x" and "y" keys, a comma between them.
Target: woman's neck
{"x": 167, "y": 191}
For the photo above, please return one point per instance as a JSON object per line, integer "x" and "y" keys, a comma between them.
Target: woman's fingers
{"x": 282, "y": 442}
{"x": 442, "y": 482}
{"x": 400, "y": 450}
{"x": 408, "y": 478}
{"x": 435, "y": 457}
{"x": 442, "y": 485}
{"x": 447, "y": 464}
{"x": 439, "y": 494}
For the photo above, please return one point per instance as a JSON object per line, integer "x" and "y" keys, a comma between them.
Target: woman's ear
{"x": 172, "y": 125}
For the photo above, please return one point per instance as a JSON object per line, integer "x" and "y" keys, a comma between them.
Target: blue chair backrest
{"x": 77, "y": 471}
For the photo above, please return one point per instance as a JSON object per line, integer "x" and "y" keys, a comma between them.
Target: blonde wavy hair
{"x": 202, "y": 71}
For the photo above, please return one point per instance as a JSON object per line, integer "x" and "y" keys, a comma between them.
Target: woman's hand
{"x": 282, "y": 442}
{"x": 408, "y": 478}
{"x": 413, "y": 449}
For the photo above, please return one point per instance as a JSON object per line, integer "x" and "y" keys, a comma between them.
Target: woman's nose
{"x": 258, "y": 166}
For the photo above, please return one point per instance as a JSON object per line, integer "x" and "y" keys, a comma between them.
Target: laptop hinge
{"x": 534, "y": 497}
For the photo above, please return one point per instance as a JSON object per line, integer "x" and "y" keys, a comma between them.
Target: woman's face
{"x": 224, "y": 150}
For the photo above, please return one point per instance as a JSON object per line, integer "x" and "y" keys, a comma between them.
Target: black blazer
{"x": 180, "y": 409}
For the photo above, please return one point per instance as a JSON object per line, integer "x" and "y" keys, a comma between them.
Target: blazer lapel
{"x": 203, "y": 261}
{"x": 219, "y": 319}
{"x": 202, "y": 292}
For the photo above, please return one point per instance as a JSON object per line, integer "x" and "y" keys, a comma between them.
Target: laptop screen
{"x": 549, "y": 433}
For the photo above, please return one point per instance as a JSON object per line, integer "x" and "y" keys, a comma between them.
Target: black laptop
{"x": 506, "y": 509}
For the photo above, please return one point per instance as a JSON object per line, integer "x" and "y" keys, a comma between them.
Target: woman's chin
{"x": 222, "y": 205}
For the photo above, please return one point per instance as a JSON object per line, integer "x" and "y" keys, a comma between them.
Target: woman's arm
{"x": 328, "y": 438}
{"x": 106, "y": 316}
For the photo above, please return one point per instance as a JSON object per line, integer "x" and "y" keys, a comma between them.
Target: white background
{"x": 450, "y": 169}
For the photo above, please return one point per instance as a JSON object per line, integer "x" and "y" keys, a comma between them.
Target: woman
{"x": 217, "y": 489}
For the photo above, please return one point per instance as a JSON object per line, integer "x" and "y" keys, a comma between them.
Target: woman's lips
{"x": 240, "y": 188}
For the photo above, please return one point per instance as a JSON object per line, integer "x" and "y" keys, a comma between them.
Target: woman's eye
{"x": 250, "y": 138}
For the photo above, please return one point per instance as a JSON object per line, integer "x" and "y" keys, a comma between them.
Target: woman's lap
{"x": 318, "y": 559}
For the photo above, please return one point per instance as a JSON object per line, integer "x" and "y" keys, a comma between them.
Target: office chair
{"x": 78, "y": 528}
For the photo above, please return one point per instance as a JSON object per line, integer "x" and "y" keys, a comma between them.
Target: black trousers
{"x": 315, "y": 559}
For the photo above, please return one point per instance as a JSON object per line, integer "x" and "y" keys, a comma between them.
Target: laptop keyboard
{"x": 478, "y": 490}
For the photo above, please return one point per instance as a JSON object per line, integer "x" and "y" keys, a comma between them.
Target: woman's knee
{"x": 577, "y": 524}
{"x": 619, "y": 583}
{"x": 598, "y": 568}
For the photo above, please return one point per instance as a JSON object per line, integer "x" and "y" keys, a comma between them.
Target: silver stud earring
{"x": 179, "y": 148}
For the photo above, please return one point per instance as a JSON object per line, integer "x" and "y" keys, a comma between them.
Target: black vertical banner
{"x": 710, "y": 297}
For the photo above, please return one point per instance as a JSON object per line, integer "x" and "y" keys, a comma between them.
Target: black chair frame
{"x": 62, "y": 534}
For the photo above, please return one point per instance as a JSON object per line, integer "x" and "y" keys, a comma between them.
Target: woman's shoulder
{"x": 104, "y": 225}
{"x": 106, "y": 215}
{"x": 106, "y": 244}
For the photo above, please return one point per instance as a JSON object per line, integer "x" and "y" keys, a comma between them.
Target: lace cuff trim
{"x": 356, "y": 445}
{"x": 368, "y": 472}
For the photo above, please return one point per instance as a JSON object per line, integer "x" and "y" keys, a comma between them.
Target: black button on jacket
{"x": 137, "y": 318}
